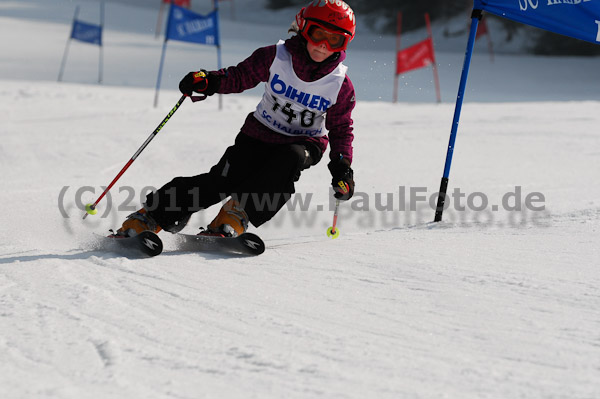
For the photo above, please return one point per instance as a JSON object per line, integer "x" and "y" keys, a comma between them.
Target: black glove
{"x": 343, "y": 179}
{"x": 199, "y": 82}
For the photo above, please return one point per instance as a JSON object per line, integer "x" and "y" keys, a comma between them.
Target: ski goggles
{"x": 334, "y": 41}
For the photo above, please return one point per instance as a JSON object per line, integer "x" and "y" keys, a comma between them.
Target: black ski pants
{"x": 259, "y": 175}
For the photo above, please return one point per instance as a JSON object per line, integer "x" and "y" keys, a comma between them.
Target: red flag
{"x": 416, "y": 56}
{"x": 180, "y": 3}
{"x": 481, "y": 29}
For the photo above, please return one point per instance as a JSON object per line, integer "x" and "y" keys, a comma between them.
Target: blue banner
{"x": 87, "y": 32}
{"x": 576, "y": 18}
{"x": 187, "y": 26}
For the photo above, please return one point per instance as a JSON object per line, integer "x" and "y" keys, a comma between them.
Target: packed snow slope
{"x": 500, "y": 300}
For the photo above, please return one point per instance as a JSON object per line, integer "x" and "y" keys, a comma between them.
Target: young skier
{"x": 307, "y": 94}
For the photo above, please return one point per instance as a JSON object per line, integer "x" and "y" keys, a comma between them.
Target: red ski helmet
{"x": 335, "y": 19}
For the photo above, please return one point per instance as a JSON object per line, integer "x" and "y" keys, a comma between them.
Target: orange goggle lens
{"x": 334, "y": 41}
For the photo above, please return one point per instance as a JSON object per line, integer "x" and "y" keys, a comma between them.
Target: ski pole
{"x": 334, "y": 232}
{"x": 90, "y": 209}
{"x": 343, "y": 189}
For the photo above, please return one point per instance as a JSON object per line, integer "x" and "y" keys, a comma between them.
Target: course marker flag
{"x": 575, "y": 18}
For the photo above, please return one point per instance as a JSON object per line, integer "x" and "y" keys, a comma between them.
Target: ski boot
{"x": 231, "y": 221}
{"x": 136, "y": 223}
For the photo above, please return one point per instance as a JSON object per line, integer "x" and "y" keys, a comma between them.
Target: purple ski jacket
{"x": 255, "y": 69}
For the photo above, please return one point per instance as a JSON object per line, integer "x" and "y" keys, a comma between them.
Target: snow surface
{"x": 487, "y": 304}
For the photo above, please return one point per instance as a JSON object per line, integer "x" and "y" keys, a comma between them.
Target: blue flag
{"x": 87, "y": 32}
{"x": 576, "y": 18}
{"x": 187, "y": 26}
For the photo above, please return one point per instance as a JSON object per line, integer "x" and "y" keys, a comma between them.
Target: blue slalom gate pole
{"x": 475, "y": 17}
{"x": 101, "y": 58}
{"x": 160, "y": 68}
{"x": 216, "y": 7}
{"x": 162, "y": 57}
{"x": 219, "y": 67}
{"x": 66, "y": 53}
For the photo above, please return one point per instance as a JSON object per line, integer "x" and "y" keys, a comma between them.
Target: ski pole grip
{"x": 199, "y": 76}
{"x": 200, "y": 81}
{"x": 200, "y": 84}
{"x": 343, "y": 187}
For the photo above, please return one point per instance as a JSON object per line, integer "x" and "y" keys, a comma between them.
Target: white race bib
{"x": 293, "y": 107}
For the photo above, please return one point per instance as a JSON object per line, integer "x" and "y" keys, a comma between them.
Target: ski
{"x": 245, "y": 244}
{"x": 147, "y": 242}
